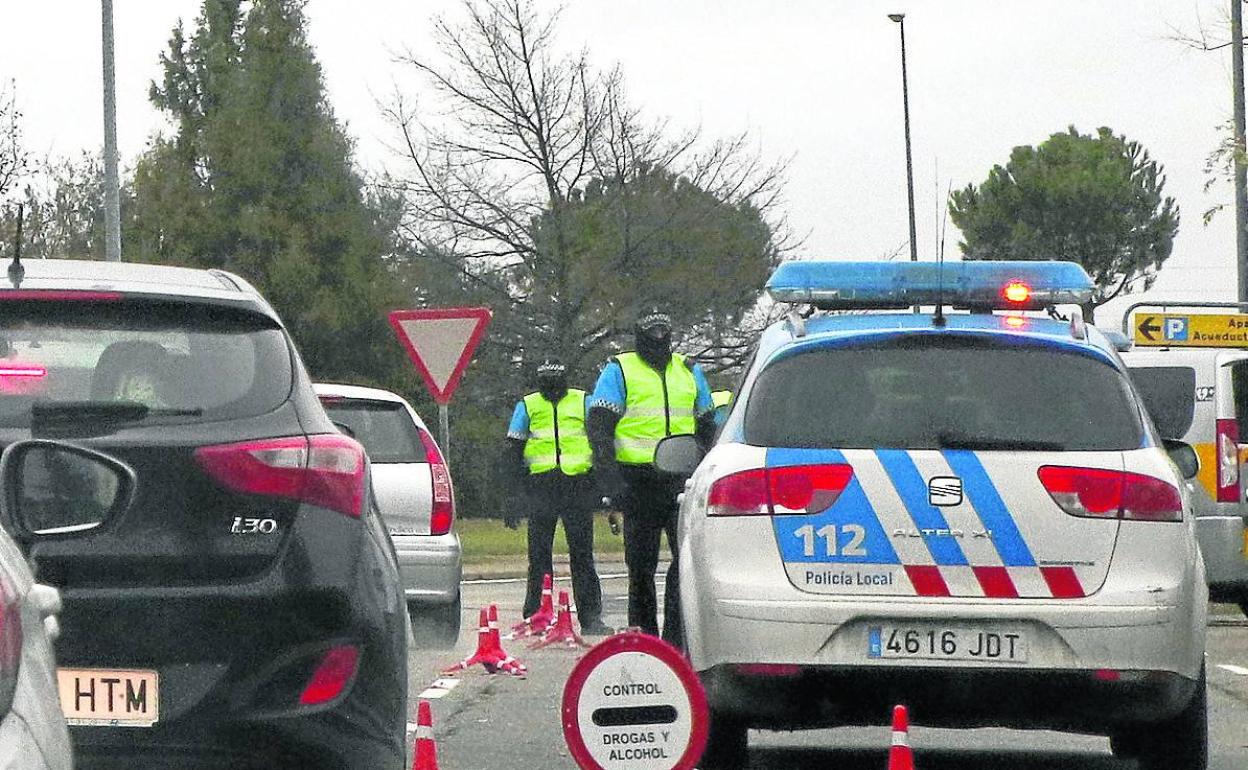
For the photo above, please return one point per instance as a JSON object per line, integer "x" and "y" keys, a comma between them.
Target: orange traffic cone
{"x": 483, "y": 648}
{"x": 425, "y": 750}
{"x": 537, "y": 623}
{"x": 503, "y": 661}
{"x": 900, "y": 757}
{"x": 562, "y": 630}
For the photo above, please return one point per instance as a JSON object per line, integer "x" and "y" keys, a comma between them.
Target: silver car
{"x": 417, "y": 499}
{"x": 33, "y": 735}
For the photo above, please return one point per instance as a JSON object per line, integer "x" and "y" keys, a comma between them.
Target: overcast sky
{"x": 818, "y": 80}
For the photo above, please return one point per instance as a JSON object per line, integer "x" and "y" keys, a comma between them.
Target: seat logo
{"x": 944, "y": 491}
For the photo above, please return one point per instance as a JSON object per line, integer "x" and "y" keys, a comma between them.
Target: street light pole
{"x": 900, "y": 18}
{"x": 1241, "y": 171}
{"x": 112, "y": 195}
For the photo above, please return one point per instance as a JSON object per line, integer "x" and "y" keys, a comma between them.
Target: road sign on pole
{"x": 1191, "y": 330}
{"x": 441, "y": 342}
{"x": 634, "y": 703}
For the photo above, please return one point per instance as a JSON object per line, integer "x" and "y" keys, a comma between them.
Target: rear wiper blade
{"x": 952, "y": 440}
{"x": 96, "y": 415}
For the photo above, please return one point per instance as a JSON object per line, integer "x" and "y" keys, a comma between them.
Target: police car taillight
{"x": 1099, "y": 493}
{"x": 780, "y": 491}
{"x": 1227, "y": 447}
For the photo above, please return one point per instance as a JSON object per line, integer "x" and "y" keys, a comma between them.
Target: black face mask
{"x": 552, "y": 387}
{"x": 655, "y": 349}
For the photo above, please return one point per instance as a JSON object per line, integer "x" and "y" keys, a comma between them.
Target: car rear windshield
{"x": 921, "y": 392}
{"x": 384, "y": 428}
{"x": 1169, "y": 394}
{"x": 162, "y": 361}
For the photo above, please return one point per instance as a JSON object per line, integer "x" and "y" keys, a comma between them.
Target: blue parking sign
{"x": 1175, "y": 329}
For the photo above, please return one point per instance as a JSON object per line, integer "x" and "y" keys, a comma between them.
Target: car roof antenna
{"x": 16, "y": 271}
{"x": 939, "y": 319}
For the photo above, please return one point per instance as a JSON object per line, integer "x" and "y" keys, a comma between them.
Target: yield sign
{"x": 441, "y": 341}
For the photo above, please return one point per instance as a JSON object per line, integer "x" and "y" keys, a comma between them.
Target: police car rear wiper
{"x": 952, "y": 440}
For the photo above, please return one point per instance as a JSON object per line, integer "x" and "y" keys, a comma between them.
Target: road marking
{"x": 1239, "y": 670}
{"x": 439, "y": 689}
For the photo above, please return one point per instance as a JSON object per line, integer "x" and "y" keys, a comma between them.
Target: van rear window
{"x": 920, "y": 392}
{"x": 1169, "y": 394}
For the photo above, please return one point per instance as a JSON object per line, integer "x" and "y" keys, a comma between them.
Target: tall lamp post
{"x": 112, "y": 196}
{"x": 900, "y": 18}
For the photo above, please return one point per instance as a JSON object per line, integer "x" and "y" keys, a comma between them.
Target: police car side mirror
{"x": 1184, "y": 456}
{"x": 54, "y": 489}
{"x": 678, "y": 455}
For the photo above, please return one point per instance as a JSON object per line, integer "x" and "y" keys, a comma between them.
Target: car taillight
{"x": 10, "y": 643}
{"x": 443, "y": 491}
{"x": 792, "y": 489}
{"x": 332, "y": 675}
{"x": 1227, "y": 448}
{"x": 325, "y": 470}
{"x": 1099, "y": 493}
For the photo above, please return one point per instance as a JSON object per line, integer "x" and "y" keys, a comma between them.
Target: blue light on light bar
{"x": 894, "y": 285}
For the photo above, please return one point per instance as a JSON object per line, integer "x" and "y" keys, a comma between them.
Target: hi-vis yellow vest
{"x": 656, "y": 406}
{"x": 557, "y": 437}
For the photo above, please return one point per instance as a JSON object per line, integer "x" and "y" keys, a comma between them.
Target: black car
{"x": 247, "y": 610}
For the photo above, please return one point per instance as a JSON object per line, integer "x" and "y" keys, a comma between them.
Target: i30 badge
{"x": 944, "y": 491}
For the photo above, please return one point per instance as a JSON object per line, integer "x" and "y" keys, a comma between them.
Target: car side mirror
{"x": 678, "y": 455}
{"x": 52, "y": 489}
{"x": 1184, "y": 456}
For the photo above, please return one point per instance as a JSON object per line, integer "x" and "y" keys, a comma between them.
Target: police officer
{"x": 550, "y": 455}
{"x": 641, "y": 397}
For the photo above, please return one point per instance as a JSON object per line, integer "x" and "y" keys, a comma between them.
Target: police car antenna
{"x": 16, "y": 271}
{"x": 939, "y": 319}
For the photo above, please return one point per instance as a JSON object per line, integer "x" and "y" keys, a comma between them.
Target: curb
{"x": 518, "y": 569}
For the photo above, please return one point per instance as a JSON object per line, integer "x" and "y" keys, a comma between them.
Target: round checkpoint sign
{"x": 634, "y": 703}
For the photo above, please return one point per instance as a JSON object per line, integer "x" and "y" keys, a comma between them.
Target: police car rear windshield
{"x": 940, "y": 393}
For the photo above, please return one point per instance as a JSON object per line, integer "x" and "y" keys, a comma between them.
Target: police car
{"x": 968, "y": 513}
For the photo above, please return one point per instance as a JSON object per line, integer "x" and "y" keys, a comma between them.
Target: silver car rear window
{"x": 383, "y": 427}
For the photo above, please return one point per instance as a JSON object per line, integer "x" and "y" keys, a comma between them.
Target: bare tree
{"x": 14, "y": 159}
{"x": 529, "y": 153}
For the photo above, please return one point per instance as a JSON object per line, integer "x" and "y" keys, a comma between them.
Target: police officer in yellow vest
{"x": 551, "y": 459}
{"x": 640, "y": 398}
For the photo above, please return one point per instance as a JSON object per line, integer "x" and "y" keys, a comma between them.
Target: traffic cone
{"x": 537, "y": 623}
{"x": 425, "y": 750}
{"x": 899, "y": 755}
{"x": 504, "y": 661}
{"x": 563, "y": 630}
{"x": 483, "y": 648}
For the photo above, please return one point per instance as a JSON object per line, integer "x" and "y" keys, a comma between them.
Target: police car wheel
{"x": 726, "y": 745}
{"x": 436, "y": 626}
{"x": 1181, "y": 743}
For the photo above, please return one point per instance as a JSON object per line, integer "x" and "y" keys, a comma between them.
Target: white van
{"x": 1200, "y": 396}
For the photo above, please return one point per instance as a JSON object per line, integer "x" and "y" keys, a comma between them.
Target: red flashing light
{"x": 332, "y": 675}
{"x": 1017, "y": 292}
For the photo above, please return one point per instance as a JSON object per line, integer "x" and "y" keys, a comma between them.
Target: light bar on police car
{"x": 1016, "y": 285}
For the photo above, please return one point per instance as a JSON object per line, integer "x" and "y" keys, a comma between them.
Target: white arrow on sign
{"x": 441, "y": 342}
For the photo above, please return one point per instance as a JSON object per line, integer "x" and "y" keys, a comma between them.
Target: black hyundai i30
{"x": 246, "y": 611}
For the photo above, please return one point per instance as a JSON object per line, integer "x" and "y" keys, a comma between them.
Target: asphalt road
{"x": 484, "y": 722}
